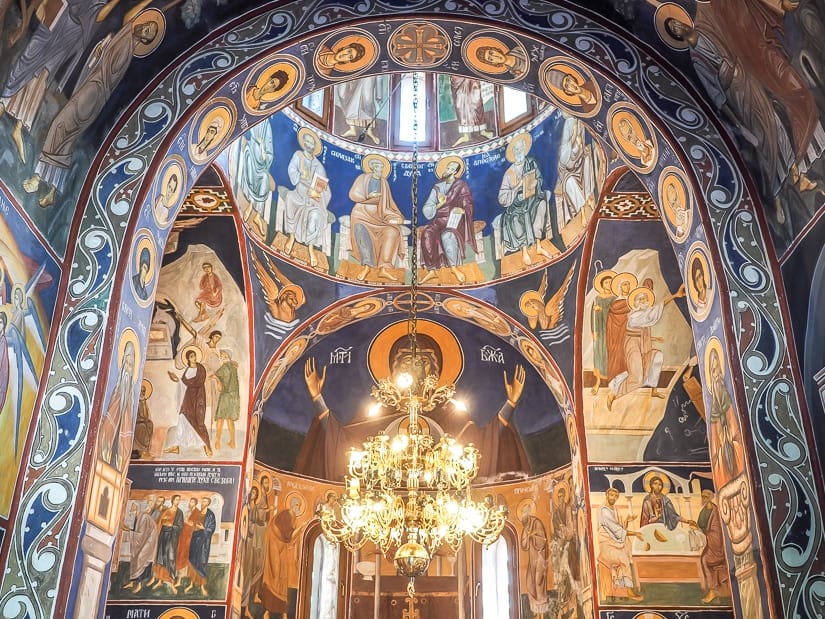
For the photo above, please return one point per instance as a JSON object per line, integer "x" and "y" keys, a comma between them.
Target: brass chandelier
{"x": 406, "y": 493}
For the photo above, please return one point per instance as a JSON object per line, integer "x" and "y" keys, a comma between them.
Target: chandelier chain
{"x": 413, "y": 331}
{"x": 408, "y": 492}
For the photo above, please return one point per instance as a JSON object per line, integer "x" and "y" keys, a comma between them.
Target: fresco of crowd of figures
{"x": 283, "y": 262}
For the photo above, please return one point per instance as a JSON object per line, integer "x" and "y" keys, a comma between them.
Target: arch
{"x": 749, "y": 304}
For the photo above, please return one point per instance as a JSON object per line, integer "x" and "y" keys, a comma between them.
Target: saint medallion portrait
{"x": 570, "y": 86}
{"x": 632, "y": 135}
{"x": 675, "y": 203}
{"x": 211, "y": 129}
{"x": 144, "y": 268}
{"x": 271, "y": 82}
{"x": 496, "y": 55}
{"x": 701, "y": 286}
{"x": 169, "y": 190}
{"x": 344, "y": 57}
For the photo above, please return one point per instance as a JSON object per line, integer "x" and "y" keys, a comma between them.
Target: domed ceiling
{"x": 562, "y": 166}
{"x": 339, "y": 167}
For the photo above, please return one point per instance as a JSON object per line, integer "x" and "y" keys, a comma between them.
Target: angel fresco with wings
{"x": 546, "y": 315}
{"x": 282, "y": 296}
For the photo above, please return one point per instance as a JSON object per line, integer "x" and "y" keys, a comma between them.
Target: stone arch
{"x": 115, "y": 202}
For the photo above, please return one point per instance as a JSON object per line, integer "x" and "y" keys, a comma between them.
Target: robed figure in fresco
{"x": 714, "y": 563}
{"x": 599, "y": 311}
{"x": 116, "y": 425}
{"x": 201, "y": 544}
{"x": 533, "y": 541}
{"x": 449, "y": 207}
{"x": 375, "y": 221}
{"x": 469, "y": 108}
{"x": 275, "y": 579}
{"x": 323, "y": 453}
{"x": 305, "y": 206}
{"x": 615, "y": 548}
{"x": 658, "y": 508}
{"x": 193, "y": 406}
{"x": 256, "y": 183}
{"x": 524, "y": 200}
{"x": 143, "y": 545}
{"x": 170, "y": 525}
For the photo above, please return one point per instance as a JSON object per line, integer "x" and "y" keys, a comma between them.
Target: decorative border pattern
{"x": 116, "y": 207}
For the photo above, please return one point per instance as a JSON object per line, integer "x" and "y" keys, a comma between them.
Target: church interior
{"x": 412, "y": 309}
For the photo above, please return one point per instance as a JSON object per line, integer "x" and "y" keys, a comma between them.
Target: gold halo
{"x": 714, "y": 344}
{"x": 697, "y": 253}
{"x": 648, "y": 615}
{"x": 261, "y": 75}
{"x": 473, "y": 60}
{"x": 307, "y": 131}
{"x": 562, "y": 100}
{"x": 572, "y": 433}
{"x": 490, "y": 319}
{"x": 146, "y": 384}
{"x": 288, "y": 503}
{"x": 531, "y": 351}
{"x": 637, "y": 292}
{"x": 524, "y": 503}
{"x": 665, "y": 11}
{"x": 172, "y": 168}
{"x": 368, "y": 159}
{"x": 147, "y": 242}
{"x": 560, "y": 485}
{"x": 631, "y": 150}
{"x": 672, "y": 177}
{"x": 297, "y": 291}
{"x": 221, "y": 112}
{"x": 619, "y": 279}
{"x": 598, "y": 280}
{"x": 452, "y": 357}
{"x": 523, "y": 303}
{"x": 526, "y": 137}
{"x": 278, "y": 367}
{"x": 183, "y": 613}
{"x": 198, "y": 353}
{"x": 366, "y": 308}
{"x": 441, "y": 165}
{"x": 663, "y": 476}
{"x": 370, "y": 52}
{"x": 141, "y": 49}
{"x": 127, "y": 336}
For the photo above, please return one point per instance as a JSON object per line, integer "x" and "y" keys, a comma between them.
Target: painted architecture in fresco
{"x": 207, "y": 217}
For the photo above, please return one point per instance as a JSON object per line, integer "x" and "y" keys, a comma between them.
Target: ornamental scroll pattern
{"x": 119, "y": 196}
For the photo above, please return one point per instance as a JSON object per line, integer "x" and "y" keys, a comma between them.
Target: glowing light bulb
{"x": 404, "y": 380}
{"x": 374, "y": 409}
{"x": 459, "y": 405}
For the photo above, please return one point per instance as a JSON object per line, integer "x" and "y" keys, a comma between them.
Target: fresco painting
{"x": 29, "y": 276}
{"x": 177, "y": 534}
{"x": 520, "y": 408}
{"x": 654, "y": 527}
{"x": 639, "y": 347}
{"x": 362, "y": 110}
{"x": 197, "y": 359}
{"x": 523, "y": 296}
{"x": 768, "y": 91}
{"x": 317, "y": 208}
